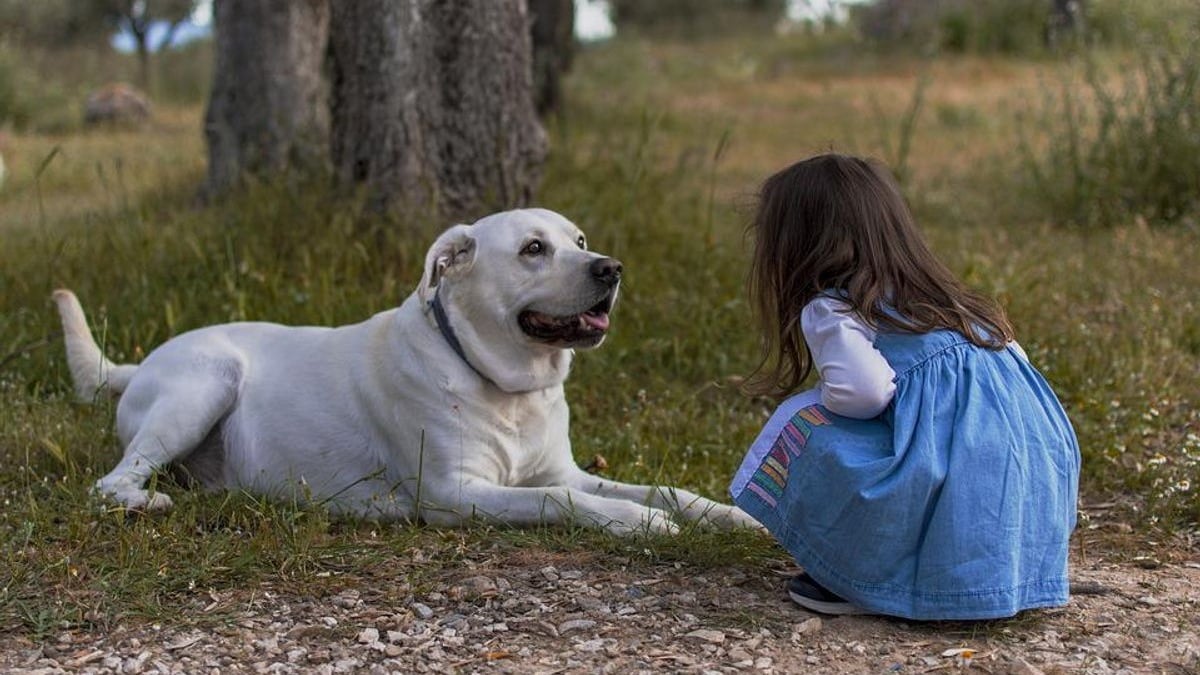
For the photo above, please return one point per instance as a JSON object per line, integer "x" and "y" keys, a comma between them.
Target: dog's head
{"x": 519, "y": 286}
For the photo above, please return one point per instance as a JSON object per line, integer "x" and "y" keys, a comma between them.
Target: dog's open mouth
{"x": 586, "y": 328}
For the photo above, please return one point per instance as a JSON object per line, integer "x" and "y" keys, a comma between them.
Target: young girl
{"x": 932, "y": 473}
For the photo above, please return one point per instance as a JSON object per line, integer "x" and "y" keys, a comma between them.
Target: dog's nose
{"x": 607, "y": 270}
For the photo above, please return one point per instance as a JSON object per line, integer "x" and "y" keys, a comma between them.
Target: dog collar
{"x": 443, "y": 324}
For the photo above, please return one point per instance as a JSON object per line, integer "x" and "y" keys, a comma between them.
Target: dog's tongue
{"x": 598, "y": 321}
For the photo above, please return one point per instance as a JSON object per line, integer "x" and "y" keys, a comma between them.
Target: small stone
{"x": 329, "y": 622}
{"x": 1022, "y": 667}
{"x": 713, "y": 636}
{"x": 346, "y": 600}
{"x": 590, "y": 645}
{"x": 589, "y": 604}
{"x": 422, "y": 611}
{"x": 393, "y": 650}
{"x": 574, "y": 625}
{"x": 808, "y": 626}
{"x": 763, "y": 662}
{"x": 549, "y": 573}
{"x": 368, "y": 636}
{"x": 479, "y": 585}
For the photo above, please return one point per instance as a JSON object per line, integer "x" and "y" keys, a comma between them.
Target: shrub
{"x": 14, "y": 106}
{"x": 696, "y": 18}
{"x": 1112, "y": 154}
{"x": 957, "y": 26}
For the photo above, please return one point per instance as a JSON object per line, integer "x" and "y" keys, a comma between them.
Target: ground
{"x": 511, "y": 609}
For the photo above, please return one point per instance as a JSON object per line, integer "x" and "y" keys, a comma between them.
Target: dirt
{"x": 530, "y": 611}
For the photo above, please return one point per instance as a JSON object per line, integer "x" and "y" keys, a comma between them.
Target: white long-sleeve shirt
{"x": 855, "y": 379}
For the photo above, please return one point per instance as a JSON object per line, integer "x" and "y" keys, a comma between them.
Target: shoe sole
{"x": 833, "y": 608}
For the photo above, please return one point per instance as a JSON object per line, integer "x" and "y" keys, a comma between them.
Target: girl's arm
{"x": 856, "y": 381}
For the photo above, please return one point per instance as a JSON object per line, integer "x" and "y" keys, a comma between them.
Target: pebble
{"x": 574, "y": 625}
{"x": 557, "y": 618}
{"x": 422, "y": 610}
{"x": 714, "y": 636}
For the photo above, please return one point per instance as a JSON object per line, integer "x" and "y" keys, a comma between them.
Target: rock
{"x": 116, "y": 102}
{"x": 479, "y": 586}
{"x": 590, "y": 645}
{"x": 422, "y": 611}
{"x": 713, "y": 636}
{"x": 368, "y": 636}
{"x": 808, "y": 627}
{"x": 589, "y": 604}
{"x": 1022, "y": 667}
{"x": 574, "y": 625}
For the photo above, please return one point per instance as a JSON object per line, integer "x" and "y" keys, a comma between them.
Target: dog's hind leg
{"x": 178, "y": 417}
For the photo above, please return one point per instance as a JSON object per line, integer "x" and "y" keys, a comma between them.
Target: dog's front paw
{"x": 140, "y": 501}
{"x": 653, "y": 521}
{"x": 732, "y": 518}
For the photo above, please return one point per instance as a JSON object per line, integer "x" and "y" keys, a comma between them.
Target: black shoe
{"x": 807, "y": 593}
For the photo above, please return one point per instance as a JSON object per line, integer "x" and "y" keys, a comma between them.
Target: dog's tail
{"x": 90, "y": 370}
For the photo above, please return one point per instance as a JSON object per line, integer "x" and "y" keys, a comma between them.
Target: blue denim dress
{"x": 957, "y": 502}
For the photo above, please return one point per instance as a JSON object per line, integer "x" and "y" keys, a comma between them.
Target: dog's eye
{"x": 534, "y": 247}
{"x": 582, "y": 242}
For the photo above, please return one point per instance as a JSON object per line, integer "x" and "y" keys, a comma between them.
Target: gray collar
{"x": 443, "y": 324}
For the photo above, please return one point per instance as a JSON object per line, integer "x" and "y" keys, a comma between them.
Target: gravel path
{"x": 539, "y": 612}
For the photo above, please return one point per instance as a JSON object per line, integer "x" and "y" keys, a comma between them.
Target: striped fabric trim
{"x": 771, "y": 476}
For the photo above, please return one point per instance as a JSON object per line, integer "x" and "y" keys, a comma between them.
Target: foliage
{"x": 957, "y": 26}
{"x": 53, "y": 23}
{"x": 696, "y": 18}
{"x": 29, "y": 103}
{"x": 1017, "y": 27}
{"x": 1110, "y": 154}
{"x": 1119, "y": 23}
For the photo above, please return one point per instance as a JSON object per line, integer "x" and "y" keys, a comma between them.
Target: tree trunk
{"x": 553, "y": 35}
{"x": 432, "y": 103}
{"x": 267, "y": 112}
{"x": 1067, "y": 21}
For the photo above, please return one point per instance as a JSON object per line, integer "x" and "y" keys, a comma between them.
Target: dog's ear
{"x": 451, "y": 254}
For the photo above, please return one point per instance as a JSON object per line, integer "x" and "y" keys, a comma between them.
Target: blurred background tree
{"x": 137, "y": 18}
{"x": 267, "y": 112}
{"x": 696, "y": 18}
{"x": 54, "y": 23}
{"x": 553, "y": 33}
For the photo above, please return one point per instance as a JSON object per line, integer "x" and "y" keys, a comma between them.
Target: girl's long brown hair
{"x": 839, "y": 223}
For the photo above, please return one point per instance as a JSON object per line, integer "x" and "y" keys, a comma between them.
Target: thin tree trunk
{"x": 432, "y": 103}
{"x": 267, "y": 112}
{"x": 553, "y": 34}
{"x": 143, "y": 54}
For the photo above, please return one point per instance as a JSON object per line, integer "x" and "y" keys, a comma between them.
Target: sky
{"x": 591, "y": 21}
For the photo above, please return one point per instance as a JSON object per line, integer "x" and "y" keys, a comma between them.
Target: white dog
{"x": 447, "y": 408}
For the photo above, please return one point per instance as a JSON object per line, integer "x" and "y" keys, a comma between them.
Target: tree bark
{"x": 432, "y": 103}
{"x": 267, "y": 112}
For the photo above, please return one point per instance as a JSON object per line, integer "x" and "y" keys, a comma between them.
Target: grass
{"x": 658, "y": 153}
